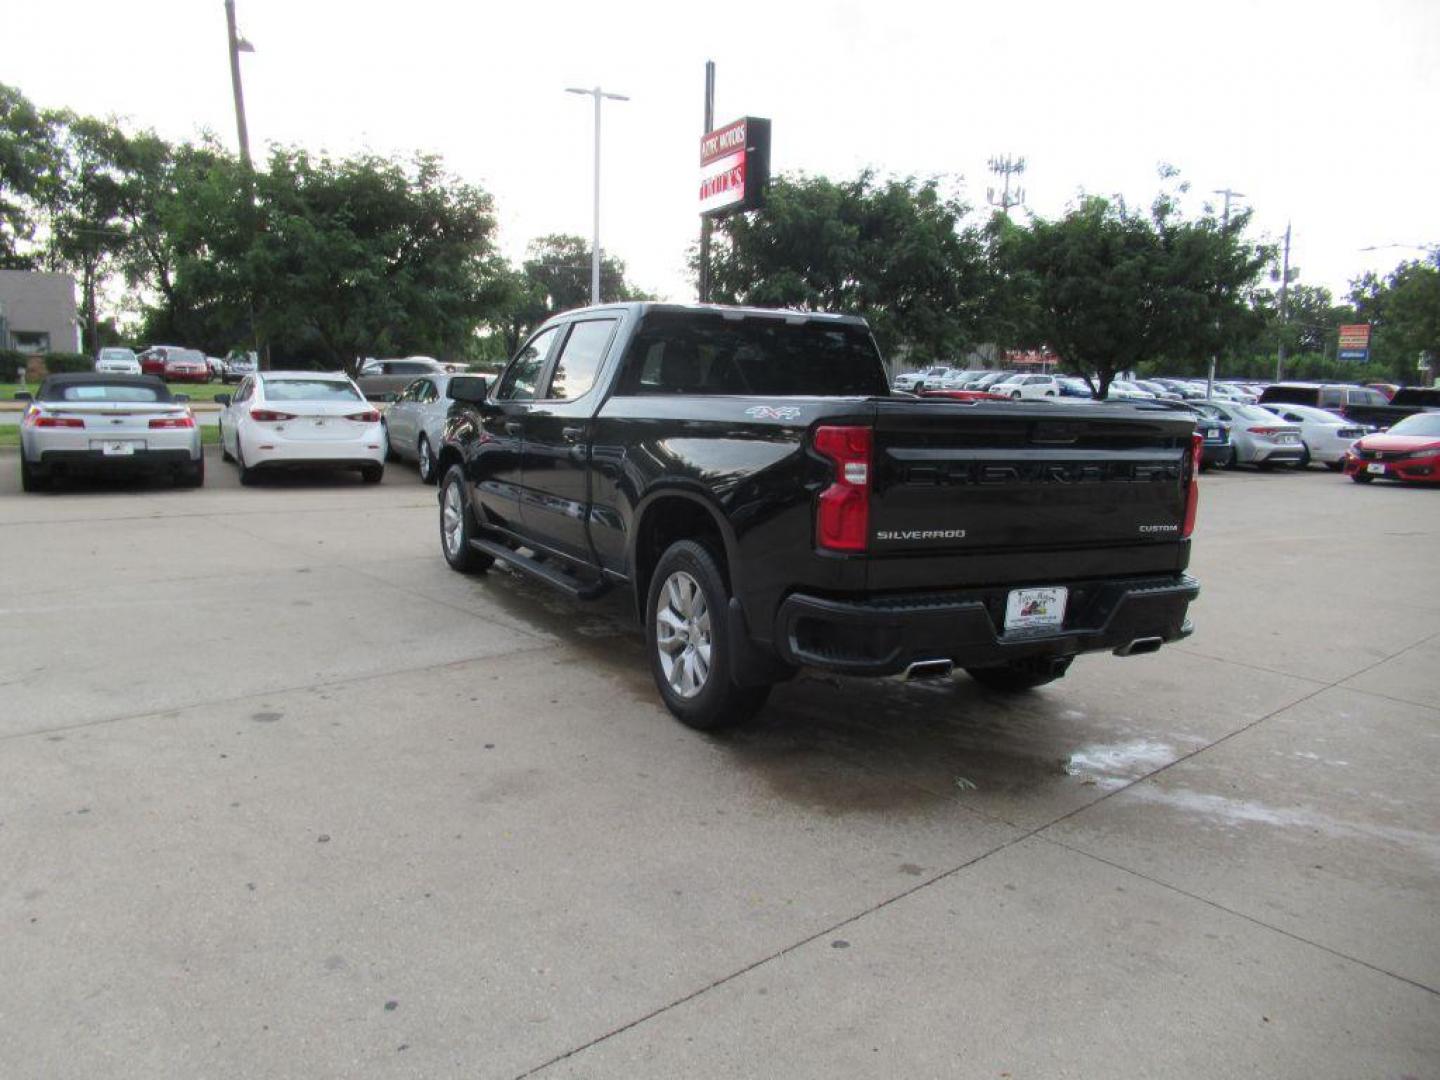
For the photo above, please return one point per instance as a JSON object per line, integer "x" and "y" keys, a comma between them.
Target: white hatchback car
{"x": 301, "y": 419}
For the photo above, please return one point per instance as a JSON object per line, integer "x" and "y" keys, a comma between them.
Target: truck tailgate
{"x": 951, "y": 478}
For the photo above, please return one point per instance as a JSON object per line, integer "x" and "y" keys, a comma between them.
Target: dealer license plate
{"x": 1375, "y": 468}
{"x": 1032, "y": 609}
{"x": 116, "y": 447}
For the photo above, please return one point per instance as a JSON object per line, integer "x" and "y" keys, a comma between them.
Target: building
{"x": 37, "y": 312}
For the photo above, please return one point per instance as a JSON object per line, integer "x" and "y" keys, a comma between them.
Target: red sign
{"x": 734, "y": 166}
{"x": 1355, "y": 336}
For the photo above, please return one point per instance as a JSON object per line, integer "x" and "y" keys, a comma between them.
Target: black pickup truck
{"x": 771, "y": 504}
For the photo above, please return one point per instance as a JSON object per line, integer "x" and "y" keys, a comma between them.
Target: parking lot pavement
{"x": 281, "y": 795}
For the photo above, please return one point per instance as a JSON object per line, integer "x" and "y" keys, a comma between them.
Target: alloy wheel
{"x": 682, "y": 634}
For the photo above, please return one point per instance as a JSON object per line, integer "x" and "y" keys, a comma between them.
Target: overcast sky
{"x": 1322, "y": 113}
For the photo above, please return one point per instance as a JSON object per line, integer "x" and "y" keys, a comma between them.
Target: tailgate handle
{"x": 572, "y": 434}
{"x": 513, "y": 428}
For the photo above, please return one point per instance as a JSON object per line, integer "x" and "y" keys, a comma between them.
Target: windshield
{"x": 701, "y": 353}
{"x": 116, "y": 354}
{"x": 310, "y": 390}
{"x": 1420, "y": 424}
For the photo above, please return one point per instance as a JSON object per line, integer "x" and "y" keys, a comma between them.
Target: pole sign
{"x": 1354, "y": 342}
{"x": 734, "y": 167}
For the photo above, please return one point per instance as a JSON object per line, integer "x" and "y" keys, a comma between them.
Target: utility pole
{"x": 1007, "y": 167}
{"x": 1229, "y": 194}
{"x": 597, "y": 94}
{"x": 238, "y": 45}
{"x": 1284, "y": 293}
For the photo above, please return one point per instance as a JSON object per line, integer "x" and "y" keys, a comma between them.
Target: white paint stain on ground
{"x": 1113, "y": 765}
{"x": 1237, "y": 813}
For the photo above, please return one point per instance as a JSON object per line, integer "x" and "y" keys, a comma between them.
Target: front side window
{"x": 580, "y": 359}
{"x": 425, "y": 392}
{"x": 521, "y": 377}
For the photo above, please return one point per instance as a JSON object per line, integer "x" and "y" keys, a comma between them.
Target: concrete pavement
{"x": 283, "y": 796}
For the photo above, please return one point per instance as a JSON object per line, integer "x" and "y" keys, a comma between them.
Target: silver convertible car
{"x": 98, "y": 423}
{"x": 414, "y": 419}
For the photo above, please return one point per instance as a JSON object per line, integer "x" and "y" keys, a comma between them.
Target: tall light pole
{"x": 597, "y": 94}
{"x": 238, "y": 45}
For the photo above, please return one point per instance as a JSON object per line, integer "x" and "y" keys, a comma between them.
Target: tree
{"x": 27, "y": 153}
{"x": 1114, "y": 287}
{"x": 555, "y": 277}
{"x": 894, "y": 251}
{"x": 1404, "y": 313}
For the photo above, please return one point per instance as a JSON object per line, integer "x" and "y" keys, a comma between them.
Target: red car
{"x": 174, "y": 364}
{"x": 1408, "y": 451}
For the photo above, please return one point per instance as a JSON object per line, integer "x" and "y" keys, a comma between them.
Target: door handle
{"x": 572, "y": 434}
{"x": 513, "y": 428}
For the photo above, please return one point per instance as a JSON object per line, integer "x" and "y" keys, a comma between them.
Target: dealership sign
{"x": 734, "y": 167}
{"x": 1355, "y": 342}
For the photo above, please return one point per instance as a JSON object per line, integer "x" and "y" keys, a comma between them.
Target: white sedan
{"x": 1326, "y": 436}
{"x": 301, "y": 419}
{"x": 1027, "y": 386}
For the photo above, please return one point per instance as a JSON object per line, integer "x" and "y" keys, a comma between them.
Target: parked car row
{"x": 174, "y": 363}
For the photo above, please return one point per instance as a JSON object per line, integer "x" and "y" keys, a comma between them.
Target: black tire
{"x": 713, "y": 700}
{"x": 1015, "y": 395}
{"x": 1304, "y": 462}
{"x": 372, "y": 474}
{"x": 457, "y": 526}
{"x": 1233, "y": 461}
{"x": 248, "y": 476}
{"x": 224, "y": 454}
{"x": 31, "y": 477}
{"x": 390, "y": 454}
{"x": 192, "y": 475}
{"x": 1015, "y": 678}
{"x": 1335, "y": 466}
{"x": 1362, "y": 478}
{"x": 426, "y": 460}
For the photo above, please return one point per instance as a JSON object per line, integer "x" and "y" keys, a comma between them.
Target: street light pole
{"x": 597, "y": 94}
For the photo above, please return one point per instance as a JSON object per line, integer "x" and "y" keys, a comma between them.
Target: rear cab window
{"x": 689, "y": 353}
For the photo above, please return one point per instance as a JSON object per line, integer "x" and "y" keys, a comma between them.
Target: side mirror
{"x": 470, "y": 389}
{"x": 182, "y": 397}
{"x": 23, "y": 395}
{"x": 390, "y": 399}
{"x": 220, "y": 399}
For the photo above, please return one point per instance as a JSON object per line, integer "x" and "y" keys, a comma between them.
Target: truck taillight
{"x": 842, "y": 522}
{"x": 1192, "y": 484}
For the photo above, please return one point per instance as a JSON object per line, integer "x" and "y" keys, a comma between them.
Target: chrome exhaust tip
{"x": 1140, "y": 646}
{"x": 928, "y": 669}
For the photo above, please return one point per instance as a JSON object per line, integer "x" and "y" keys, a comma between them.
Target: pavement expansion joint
{"x": 1241, "y": 915}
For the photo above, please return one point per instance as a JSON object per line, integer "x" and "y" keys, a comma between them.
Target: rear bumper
{"x": 885, "y": 635}
{"x": 1215, "y": 453}
{"x": 94, "y": 461}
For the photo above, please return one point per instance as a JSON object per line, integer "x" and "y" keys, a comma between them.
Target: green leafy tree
{"x": 1112, "y": 288}
{"x": 555, "y": 277}
{"x": 893, "y": 250}
{"x": 1404, "y": 312}
{"x": 27, "y": 156}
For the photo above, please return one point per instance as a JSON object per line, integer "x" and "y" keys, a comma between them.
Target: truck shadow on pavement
{"x": 835, "y": 745}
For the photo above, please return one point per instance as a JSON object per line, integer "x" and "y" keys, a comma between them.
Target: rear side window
{"x": 1291, "y": 395}
{"x": 580, "y": 359}
{"x": 690, "y": 353}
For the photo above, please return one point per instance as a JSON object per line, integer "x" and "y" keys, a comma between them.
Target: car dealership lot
{"x": 282, "y": 795}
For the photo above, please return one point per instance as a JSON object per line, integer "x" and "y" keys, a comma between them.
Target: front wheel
{"x": 1304, "y": 462}
{"x": 1361, "y": 478}
{"x": 224, "y": 453}
{"x": 687, "y": 636}
{"x": 457, "y": 526}
{"x": 1015, "y": 395}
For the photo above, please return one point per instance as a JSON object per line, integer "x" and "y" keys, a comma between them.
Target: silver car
{"x": 107, "y": 424}
{"x": 117, "y": 360}
{"x": 1259, "y": 436}
{"x": 414, "y": 419}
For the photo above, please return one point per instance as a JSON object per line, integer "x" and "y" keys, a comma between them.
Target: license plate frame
{"x": 1375, "y": 469}
{"x": 1036, "y": 609}
{"x": 116, "y": 447}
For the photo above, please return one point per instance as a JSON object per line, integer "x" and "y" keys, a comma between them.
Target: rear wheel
{"x": 426, "y": 460}
{"x": 1335, "y": 466}
{"x": 32, "y": 478}
{"x": 192, "y": 475}
{"x": 390, "y": 454}
{"x": 248, "y": 476}
{"x": 372, "y": 474}
{"x": 687, "y": 635}
{"x": 457, "y": 526}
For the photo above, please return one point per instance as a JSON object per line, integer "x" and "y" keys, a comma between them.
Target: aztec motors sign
{"x": 734, "y": 167}
{"x": 1354, "y": 342}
